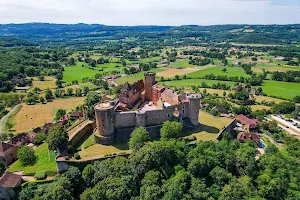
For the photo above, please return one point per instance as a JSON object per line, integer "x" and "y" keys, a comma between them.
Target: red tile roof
{"x": 245, "y": 120}
{"x": 242, "y": 136}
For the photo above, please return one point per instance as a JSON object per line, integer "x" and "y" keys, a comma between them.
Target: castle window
{"x": 168, "y": 115}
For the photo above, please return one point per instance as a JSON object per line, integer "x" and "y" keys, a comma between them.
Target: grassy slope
{"x": 43, "y": 162}
{"x": 181, "y": 64}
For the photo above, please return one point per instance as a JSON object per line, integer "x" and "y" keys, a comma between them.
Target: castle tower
{"x": 149, "y": 82}
{"x": 104, "y": 113}
{"x": 194, "y": 107}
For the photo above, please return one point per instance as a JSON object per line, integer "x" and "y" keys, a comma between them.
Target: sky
{"x": 151, "y": 12}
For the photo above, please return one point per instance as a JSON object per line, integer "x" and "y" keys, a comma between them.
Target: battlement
{"x": 193, "y": 96}
{"x": 150, "y": 74}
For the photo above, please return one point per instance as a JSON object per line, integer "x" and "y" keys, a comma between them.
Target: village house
{"x": 249, "y": 125}
{"x": 244, "y": 136}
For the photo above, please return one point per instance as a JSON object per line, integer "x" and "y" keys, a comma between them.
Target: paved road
{"x": 292, "y": 129}
{"x": 5, "y": 117}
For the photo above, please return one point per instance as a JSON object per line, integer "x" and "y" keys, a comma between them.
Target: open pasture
{"x": 194, "y": 82}
{"x": 281, "y": 89}
{"x": 49, "y": 82}
{"x": 32, "y": 116}
{"x": 171, "y": 72}
{"x": 230, "y": 72}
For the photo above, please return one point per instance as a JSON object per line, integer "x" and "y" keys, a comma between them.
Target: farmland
{"x": 195, "y": 82}
{"x": 32, "y": 116}
{"x": 77, "y": 72}
{"x": 230, "y": 72}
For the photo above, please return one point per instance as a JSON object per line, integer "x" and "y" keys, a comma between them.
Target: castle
{"x": 144, "y": 103}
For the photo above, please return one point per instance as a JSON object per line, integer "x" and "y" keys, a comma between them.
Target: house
{"x": 64, "y": 119}
{"x": 249, "y": 124}
{"x": 8, "y": 153}
{"x": 76, "y": 115}
{"x": 10, "y": 180}
{"x": 244, "y": 136}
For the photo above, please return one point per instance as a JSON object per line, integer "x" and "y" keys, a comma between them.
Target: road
{"x": 292, "y": 129}
{"x": 5, "y": 117}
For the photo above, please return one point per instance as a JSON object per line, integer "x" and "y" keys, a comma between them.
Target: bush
{"x": 77, "y": 156}
{"x": 39, "y": 139}
{"x": 40, "y": 175}
{"x": 70, "y": 149}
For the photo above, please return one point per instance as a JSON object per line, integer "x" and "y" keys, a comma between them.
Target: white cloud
{"x": 160, "y": 12}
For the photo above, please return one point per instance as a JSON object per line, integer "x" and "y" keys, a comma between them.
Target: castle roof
{"x": 169, "y": 93}
{"x": 4, "y": 146}
{"x": 126, "y": 86}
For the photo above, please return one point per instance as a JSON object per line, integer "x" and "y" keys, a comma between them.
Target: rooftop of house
{"x": 248, "y": 136}
{"x": 245, "y": 120}
{"x": 10, "y": 180}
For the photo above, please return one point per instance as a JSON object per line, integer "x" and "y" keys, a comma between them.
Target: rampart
{"x": 80, "y": 131}
{"x": 229, "y": 128}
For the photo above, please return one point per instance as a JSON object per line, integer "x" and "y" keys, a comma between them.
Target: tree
{"x": 138, "y": 138}
{"x": 78, "y": 92}
{"x": 57, "y": 138}
{"x": 224, "y": 94}
{"x": 70, "y": 91}
{"x": 85, "y": 90}
{"x": 297, "y": 99}
{"x": 171, "y": 129}
{"x": 224, "y": 70}
{"x": 48, "y": 94}
{"x": 26, "y": 156}
{"x": 90, "y": 101}
{"x": 58, "y": 83}
{"x": 59, "y": 113}
{"x": 39, "y": 139}
{"x": 2, "y": 168}
{"x": 42, "y": 100}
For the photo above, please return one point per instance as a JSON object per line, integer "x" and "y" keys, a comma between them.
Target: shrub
{"x": 77, "y": 156}
{"x": 40, "y": 175}
{"x": 39, "y": 139}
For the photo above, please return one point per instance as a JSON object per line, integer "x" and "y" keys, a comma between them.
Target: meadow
{"x": 286, "y": 90}
{"x": 32, "y": 116}
{"x": 46, "y": 162}
{"x": 77, "y": 72}
{"x": 194, "y": 82}
{"x": 231, "y": 71}
{"x": 179, "y": 64}
{"x": 49, "y": 82}
{"x": 135, "y": 77}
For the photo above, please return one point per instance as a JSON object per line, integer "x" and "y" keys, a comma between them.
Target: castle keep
{"x": 144, "y": 103}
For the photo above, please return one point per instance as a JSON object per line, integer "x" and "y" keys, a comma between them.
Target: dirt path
{"x": 5, "y": 117}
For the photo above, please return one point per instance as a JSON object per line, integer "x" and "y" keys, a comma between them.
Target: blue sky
{"x": 151, "y": 12}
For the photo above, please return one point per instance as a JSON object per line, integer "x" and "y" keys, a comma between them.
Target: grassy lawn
{"x": 98, "y": 150}
{"x": 147, "y": 60}
{"x": 231, "y": 71}
{"x": 281, "y": 89}
{"x": 32, "y": 116}
{"x": 135, "y": 77}
{"x": 210, "y": 126}
{"x": 45, "y": 162}
{"x": 195, "y": 82}
{"x": 77, "y": 72}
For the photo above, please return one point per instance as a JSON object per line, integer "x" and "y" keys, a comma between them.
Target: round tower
{"x": 104, "y": 113}
{"x": 148, "y": 83}
{"x": 194, "y": 108}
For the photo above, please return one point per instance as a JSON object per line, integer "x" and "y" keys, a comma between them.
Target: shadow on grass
{"x": 205, "y": 128}
{"x": 121, "y": 146}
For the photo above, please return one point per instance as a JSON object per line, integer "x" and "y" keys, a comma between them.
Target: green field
{"x": 134, "y": 77}
{"x": 179, "y": 64}
{"x": 231, "y": 71}
{"x": 77, "y": 72}
{"x": 145, "y": 60}
{"x": 44, "y": 163}
{"x": 281, "y": 89}
{"x": 194, "y": 82}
